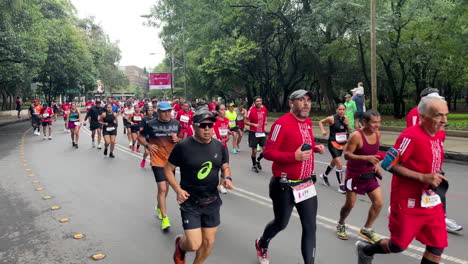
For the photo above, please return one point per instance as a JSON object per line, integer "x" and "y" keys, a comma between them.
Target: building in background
{"x": 137, "y": 77}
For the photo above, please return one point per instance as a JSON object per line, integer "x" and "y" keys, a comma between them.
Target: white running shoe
{"x": 93, "y": 144}
{"x": 452, "y": 226}
{"x": 99, "y": 146}
{"x": 341, "y": 189}
{"x": 50, "y": 137}
{"x": 65, "y": 130}
{"x": 222, "y": 190}
{"x": 324, "y": 179}
{"x": 44, "y": 138}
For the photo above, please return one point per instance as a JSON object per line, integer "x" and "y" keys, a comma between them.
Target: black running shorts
{"x": 196, "y": 215}
{"x": 254, "y": 141}
{"x": 158, "y": 172}
{"x": 94, "y": 125}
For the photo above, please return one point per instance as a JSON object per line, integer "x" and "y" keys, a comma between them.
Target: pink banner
{"x": 160, "y": 81}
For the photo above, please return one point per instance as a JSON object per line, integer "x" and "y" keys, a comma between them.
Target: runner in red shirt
{"x": 65, "y": 109}
{"x": 89, "y": 104}
{"x": 412, "y": 119}
{"x": 291, "y": 147}
{"x": 256, "y": 119}
{"x": 46, "y": 115}
{"x": 222, "y": 133}
{"x": 416, "y": 209}
{"x": 135, "y": 121}
{"x": 212, "y": 105}
{"x": 185, "y": 117}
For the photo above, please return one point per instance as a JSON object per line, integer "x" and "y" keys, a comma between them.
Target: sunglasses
{"x": 204, "y": 125}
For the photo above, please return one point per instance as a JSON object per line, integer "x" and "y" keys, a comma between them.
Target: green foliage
{"x": 43, "y": 41}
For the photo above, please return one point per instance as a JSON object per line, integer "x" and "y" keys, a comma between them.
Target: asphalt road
{"x": 111, "y": 201}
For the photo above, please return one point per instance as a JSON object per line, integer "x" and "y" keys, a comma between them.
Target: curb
{"x": 14, "y": 121}
{"x": 450, "y": 155}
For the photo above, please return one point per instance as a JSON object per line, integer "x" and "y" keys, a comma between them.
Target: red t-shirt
{"x": 88, "y": 105}
{"x": 65, "y": 108}
{"x": 257, "y": 116}
{"x": 176, "y": 107}
{"x": 221, "y": 129}
{"x": 422, "y": 153}
{"x": 286, "y": 136}
{"x": 412, "y": 118}
{"x": 47, "y": 114}
{"x": 212, "y": 106}
{"x": 185, "y": 118}
{"x": 188, "y": 132}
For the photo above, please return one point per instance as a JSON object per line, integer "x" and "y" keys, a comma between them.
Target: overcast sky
{"x": 122, "y": 21}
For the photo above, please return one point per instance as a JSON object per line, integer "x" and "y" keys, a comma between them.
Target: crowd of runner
{"x": 194, "y": 136}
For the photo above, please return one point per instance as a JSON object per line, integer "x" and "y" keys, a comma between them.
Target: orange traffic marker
{"x": 64, "y": 220}
{"x": 27, "y": 169}
{"x": 39, "y": 189}
{"x": 30, "y": 175}
{"x": 98, "y": 256}
{"x": 54, "y": 208}
{"x": 35, "y": 181}
{"x": 78, "y": 236}
{"x": 47, "y": 197}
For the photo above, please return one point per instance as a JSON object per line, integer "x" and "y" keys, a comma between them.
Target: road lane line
{"x": 265, "y": 201}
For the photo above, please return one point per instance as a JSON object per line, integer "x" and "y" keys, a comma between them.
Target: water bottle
{"x": 284, "y": 182}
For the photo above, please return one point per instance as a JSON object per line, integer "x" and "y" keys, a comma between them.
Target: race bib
{"x": 304, "y": 191}
{"x": 240, "y": 118}
{"x": 77, "y": 123}
{"x": 341, "y": 137}
{"x": 110, "y": 128}
{"x": 232, "y": 123}
{"x": 260, "y": 134}
{"x": 184, "y": 119}
{"x": 45, "y": 115}
{"x": 137, "y": 118}
{"x": 223, "y": 132}
{"x": 128, "y": 112}
{"x": 429, "y": 199}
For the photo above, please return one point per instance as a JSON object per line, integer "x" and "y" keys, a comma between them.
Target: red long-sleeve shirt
{"x": 286, "y": 135}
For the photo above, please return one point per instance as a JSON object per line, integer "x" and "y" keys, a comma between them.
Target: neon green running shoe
{"x": 341, "y": 232}
{"x": 369, "y": 236}
{"x": 158, "y": 211}
{"x": 165, "y": 224}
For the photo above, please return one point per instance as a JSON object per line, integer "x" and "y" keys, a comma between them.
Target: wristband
{"x": 228, "y": 178}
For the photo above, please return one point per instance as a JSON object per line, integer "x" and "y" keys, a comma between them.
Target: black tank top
{"x": 339, "y": 127}
{"x": 109, "y": 119}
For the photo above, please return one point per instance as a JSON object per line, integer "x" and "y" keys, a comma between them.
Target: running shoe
{"x": 324, "y": 179}
{"x": 76, "y": 145}
{"x": 143, "y": 163}
{"x": 133, "y": 148}
{"x": 73, "y": 144}
{"x": 262, "y": 253}
{"x": 222, "y": 189}
{"x": 65, "y": 130}
{"x": 341, "y": 232}
{"x": 105, "y": 151}
{"x": 111, "y": 155}
{"x": 179, "y": 254}
{"x": 341, "y": 189}
{"x": 158, "y": 211}
{"x": 44, "y": 138}
{"x": 165, "y": 224}
{"x": 50, "y": 137}
{"x": 138, "y": 150}
{"x": 234, "y": 151}
{"x": 93, "y": 144}
{"x": 259, "y": 166}
{"x": 362, "y": 257}
{"x": 452, "y": 226}
{"x": 369, "y": 236}
{"x": 99, "y": 146}
{"x": 255, "y": 169}
{"x": 130, "y": 144}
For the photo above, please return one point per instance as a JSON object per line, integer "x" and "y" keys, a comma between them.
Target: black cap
{"x": 203, "y": 114}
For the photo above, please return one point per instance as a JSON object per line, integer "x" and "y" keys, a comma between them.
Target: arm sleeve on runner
{"x": 275, "y": 139}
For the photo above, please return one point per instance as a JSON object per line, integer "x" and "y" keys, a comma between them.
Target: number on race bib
{"x": 110, "y": 128}
{"x": 223, "y": 132}
{"x": 260, "y": 134}
{"x": 304, "y": 191}
{"x": 77, "y": 123}
{"x": 341, "y": 137}
{"x": 430, "y": 199}
{"x": 184, "y": 118}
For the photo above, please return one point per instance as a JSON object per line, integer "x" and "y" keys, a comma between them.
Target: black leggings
{"x": 283, "y": 204}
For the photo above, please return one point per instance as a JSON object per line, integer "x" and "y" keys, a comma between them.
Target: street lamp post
{"x": 374, "y": 103}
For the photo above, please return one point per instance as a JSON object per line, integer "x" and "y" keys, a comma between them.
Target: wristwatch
{"x": 228, "y": 178}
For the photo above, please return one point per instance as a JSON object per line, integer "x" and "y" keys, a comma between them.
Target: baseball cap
{"x": 164, "y": 105}
{"x": 347, "y": 95}
{"x": 431, "y": 93}
{"x": 299, "y": 94}
{"x": 204, "y": 114}
{"x": 232, "y": 104}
